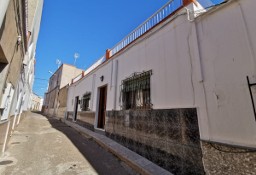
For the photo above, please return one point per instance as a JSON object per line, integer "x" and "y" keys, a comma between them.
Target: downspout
{"x": 3, "y": 9}
{"x": 115, "y": 85}
{"x": 195, "y": 46}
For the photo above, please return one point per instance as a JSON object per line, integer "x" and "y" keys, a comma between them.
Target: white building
{"x": 37, "y": 103}
{"x": 179, "y": 87}
{"x": 20, "y": 23}
{"x": 35, "y": 9}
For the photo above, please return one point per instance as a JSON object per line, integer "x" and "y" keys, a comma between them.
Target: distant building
{"x": 59, "y": 80}
{"x": 36, "y": 104}
{"x": 19, "y": 28}
{"x": 179, "y": 90}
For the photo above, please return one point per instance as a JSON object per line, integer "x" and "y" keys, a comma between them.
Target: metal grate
{"x": 135, "y": 91}
{"x": 85, "y": 101}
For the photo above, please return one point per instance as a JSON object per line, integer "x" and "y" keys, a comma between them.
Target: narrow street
{"x": 47, "y": 146}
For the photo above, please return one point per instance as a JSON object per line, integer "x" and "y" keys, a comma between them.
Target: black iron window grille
{"x": 135, "y": 91}
{"x": 84, "y": 103}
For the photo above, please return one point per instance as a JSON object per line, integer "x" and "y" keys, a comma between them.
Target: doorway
{"x": 102, "y": 107}
{"x": 75, "y": 108}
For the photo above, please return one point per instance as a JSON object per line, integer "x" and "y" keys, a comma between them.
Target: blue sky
{"x": 87, "y": 27}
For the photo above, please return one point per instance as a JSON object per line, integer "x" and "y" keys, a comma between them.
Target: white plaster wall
{"x": 78, "y": 89}
{"x": 166, "y": 53}
{"x": 200, "y": 64}
{"x": 227, "y": 58}
{"x": 91, "y": 84}
{"x": 3, "y": 7}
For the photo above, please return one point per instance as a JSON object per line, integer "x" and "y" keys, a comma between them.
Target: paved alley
{"x": 47, "y": 146}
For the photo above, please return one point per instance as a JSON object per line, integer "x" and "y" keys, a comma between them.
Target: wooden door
{"x": 75, "y": 108}
{"x": 102, "y": 107}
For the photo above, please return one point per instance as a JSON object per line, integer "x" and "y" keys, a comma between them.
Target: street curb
{"x": 134, "y": 160}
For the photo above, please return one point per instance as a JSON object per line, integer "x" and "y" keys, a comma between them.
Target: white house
{"x": 179, "y": 89}
{"x": 20, "y": 23}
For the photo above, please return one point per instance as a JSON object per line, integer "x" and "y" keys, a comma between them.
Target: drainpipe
{"x": 3, "y": 9}
{"x": 194, "y": 43}
{"x": 115, "y": 85}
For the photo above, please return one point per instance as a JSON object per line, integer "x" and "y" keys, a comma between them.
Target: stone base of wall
{"x": 84, "y": 118}
{"x": 225, "y": 160}
{"x": 169, "y": 138}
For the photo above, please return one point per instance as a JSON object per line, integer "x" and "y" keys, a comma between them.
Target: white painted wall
{"x": 3, "y": 7}
{"x": 34, "y": 28}
{"x": 227, "y": 46}
{"x": 200, "y": 64}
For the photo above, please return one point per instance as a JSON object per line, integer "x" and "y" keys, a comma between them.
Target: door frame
{"x": 75, "y": 108}
{"x": 98, "y": 113}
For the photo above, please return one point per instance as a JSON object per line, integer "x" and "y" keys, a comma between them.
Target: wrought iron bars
{"x": 135, "y": 91}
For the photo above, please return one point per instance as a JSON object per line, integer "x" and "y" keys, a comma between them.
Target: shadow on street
{"x": 102, "y": 161}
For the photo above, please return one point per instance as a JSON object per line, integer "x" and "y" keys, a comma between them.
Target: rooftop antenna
{"x": 58, "y": 62}
{"x": 76, "y": 55}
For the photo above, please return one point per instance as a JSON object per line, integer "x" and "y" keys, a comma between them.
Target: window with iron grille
{"x": 135, "y": 91}
{"x": 85, "y": 101}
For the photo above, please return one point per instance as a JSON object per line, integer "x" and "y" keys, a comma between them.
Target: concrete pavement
{"x": 44, "y": 146}
{"x": 137, "y": 162}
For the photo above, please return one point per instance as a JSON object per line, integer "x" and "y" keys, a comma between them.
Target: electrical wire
{"x": 43, "y": 79}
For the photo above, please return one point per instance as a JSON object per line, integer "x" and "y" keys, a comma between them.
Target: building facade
{"x": 179, "y": 91}
{"x": 37, "y": 103}
{"x": 57, "y": 84}
{"x": 17, "y": 62}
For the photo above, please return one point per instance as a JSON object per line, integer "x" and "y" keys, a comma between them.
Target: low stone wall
{"x": 84, "y": 118}
{"x": 169, "y": 138}
{"x": 225, "y": 160}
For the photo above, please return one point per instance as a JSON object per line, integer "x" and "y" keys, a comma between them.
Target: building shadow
{"x": 100, "y": 159}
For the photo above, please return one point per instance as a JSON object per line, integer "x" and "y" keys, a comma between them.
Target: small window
{"x": 85, "y": 101}
{"x": 135, "y": 91}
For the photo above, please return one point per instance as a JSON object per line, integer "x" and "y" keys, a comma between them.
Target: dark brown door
{"x": 75, "y": 107}
{"x": 102, "y": 107}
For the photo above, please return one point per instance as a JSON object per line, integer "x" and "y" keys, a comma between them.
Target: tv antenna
{"x": 58, "y": 62}
{"x": 76, "y": 55}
